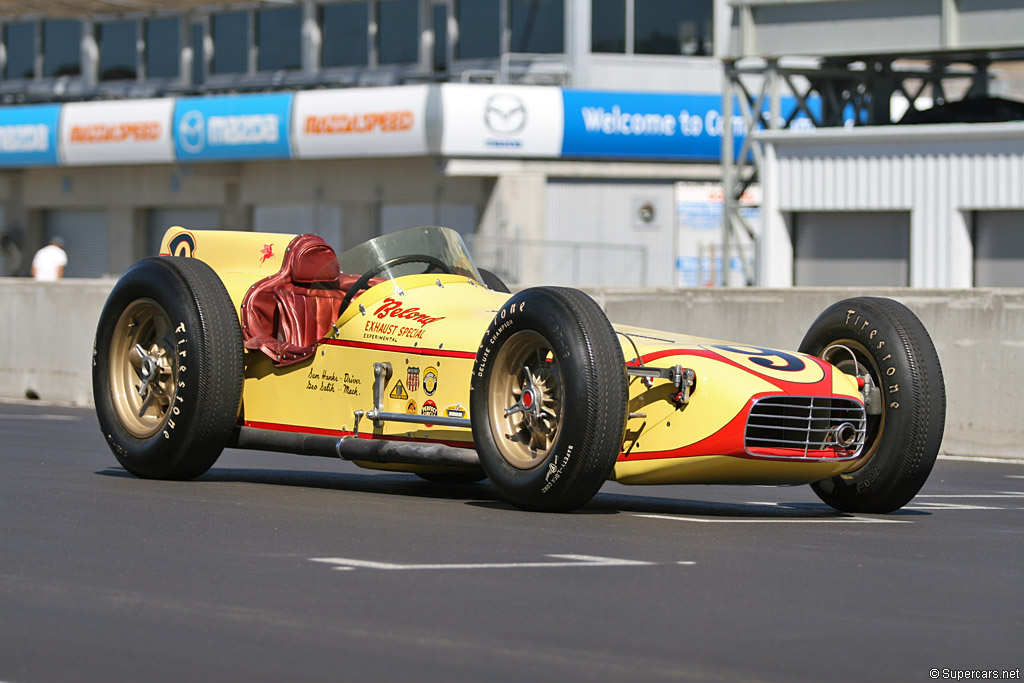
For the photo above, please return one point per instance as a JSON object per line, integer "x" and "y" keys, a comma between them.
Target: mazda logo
{"x": 504, "y": 114}
{"x": 192, "y": 132}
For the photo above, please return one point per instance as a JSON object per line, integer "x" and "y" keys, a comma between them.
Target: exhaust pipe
{"x": 844, "y": 435}
{"x": 352, "y": 448}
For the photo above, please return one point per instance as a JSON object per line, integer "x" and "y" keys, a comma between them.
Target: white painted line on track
{"x": 971, "y": 458}
{"x": 39, "y": 417}
{"x": 345, "y": 564}
{"x": 748, "y": 520}
{"x": 1001, "y": 494}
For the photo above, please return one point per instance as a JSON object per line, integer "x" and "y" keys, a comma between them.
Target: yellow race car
{"x": 401, "y": 355}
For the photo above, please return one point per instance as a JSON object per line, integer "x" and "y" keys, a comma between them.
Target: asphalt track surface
{"x": 286, "y": 568}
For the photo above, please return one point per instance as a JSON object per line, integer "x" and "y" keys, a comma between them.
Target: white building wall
{"x": 939, "y": 173}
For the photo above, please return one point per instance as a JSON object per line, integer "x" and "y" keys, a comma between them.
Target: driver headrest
{"x": 313, "y": 262}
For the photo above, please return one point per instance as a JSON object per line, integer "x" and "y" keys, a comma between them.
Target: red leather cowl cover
{"x": 286, "y": 314}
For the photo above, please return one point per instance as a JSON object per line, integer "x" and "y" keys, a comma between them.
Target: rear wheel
{"x": 167, "y": 368}
{"x": 548, "y": 399}
{"x": 884, "y": 343}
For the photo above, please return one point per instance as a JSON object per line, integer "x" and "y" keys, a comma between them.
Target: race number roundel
{"x": 782, "y": 365}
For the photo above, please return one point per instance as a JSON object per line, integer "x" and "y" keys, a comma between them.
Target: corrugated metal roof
{"x": 83, "y": 8}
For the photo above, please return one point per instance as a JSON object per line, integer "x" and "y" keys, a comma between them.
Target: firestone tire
{"x": 548, "y": 399}
{"x": 884, "y": 339}
{"x": 167, "y": 368}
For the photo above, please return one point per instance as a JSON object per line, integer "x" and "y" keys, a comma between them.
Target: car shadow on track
{"x": 482, "y": 494}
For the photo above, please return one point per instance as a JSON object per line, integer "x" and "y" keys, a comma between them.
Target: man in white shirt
{"x": 48, "y": 263}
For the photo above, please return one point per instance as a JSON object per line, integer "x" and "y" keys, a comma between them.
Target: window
{"x": 230, "y": 42}
{"x": 479, "y": 28}
{"x": 671, "y": 27}
{"x": 344, "y": 27}
{"x": 20, "y": 41}
{"x": 537, "y": 25}
{"x": 608, "y": 26}
{"x": 163, "y": 47}
{"x": 62, "y": 46}
{"x": 398, "y": 31}
{"x": 279, "y": 32}
{"x": 118, "y": 52}
{"x": 198, "y": 54}
{"x": 439, "y": 19}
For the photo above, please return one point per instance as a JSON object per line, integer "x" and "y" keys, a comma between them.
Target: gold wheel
{"x": 525, "y": 400}
{"x": 143, "y": 371}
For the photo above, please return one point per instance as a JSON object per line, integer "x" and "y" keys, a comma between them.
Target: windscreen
{"x": 409, "y": 252}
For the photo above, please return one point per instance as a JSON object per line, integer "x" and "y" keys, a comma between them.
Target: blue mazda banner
{"x": 28, "y": 135}
{"x": 684, "y": 127}
{"x": 233, "y": 127}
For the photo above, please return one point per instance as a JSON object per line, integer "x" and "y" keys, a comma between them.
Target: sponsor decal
{"x": 411, "y": 408}
{"x": 192, "y": 132}
{"x": 369, "y": 122}
{"x": 412, "y": 379}
{"x": 267, "y": 253}
{"x": 24, "y": 137}
{"x": 399, "y": 392}
{"x": 487, "y": 120}
{"x": 392, "y": 308}
{"x": 505, "y": 114}
{"x": 455, "y": 410}
{"x": 233, "y": 127}
{"x": 429, "y": 410}
{"x": 195, "y": 131}
{"x": 182, "y": 244}
{"x": 138, "y": 131}
{"x": 134, "y": 131}
{"x": 360, "y": 122}
{"x": 430, "y": 381}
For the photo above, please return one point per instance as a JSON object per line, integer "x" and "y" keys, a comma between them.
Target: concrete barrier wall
{"x": 46, "y": 341}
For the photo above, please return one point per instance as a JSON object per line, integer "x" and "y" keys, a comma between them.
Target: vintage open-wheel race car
{"x": 400, "y": 354}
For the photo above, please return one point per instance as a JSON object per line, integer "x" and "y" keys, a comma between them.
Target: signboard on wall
{"x": 666, "y": 126}
{"x": 233, "y": 127}
{"x": 501, "y": 121}
{"x": 117, "y": 132}
{"x": 700, "y": 260}
{"x": 360, "y": 122}
{"x": 28, "y": 135}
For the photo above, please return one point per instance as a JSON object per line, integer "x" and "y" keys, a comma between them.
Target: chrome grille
{"x": 805, "y": 426}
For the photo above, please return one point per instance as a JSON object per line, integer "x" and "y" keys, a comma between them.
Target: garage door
{"x": 193, "y": 219}
{"x": 851, "y": 249}
{"x": 999, "y": 249}
{"x": 85, "y": 240}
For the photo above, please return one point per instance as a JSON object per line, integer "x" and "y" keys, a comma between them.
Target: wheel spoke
{"x": 135, "y": 358}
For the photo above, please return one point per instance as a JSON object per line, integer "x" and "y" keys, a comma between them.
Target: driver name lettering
{"x": 394, "y": 309}
{"x": 321, "y": 381}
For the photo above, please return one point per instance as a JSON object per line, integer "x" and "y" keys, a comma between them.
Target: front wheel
{"x": 548, "y": 399}
{"x": 167, "y": 368}
{"x": 882, "y": 342}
